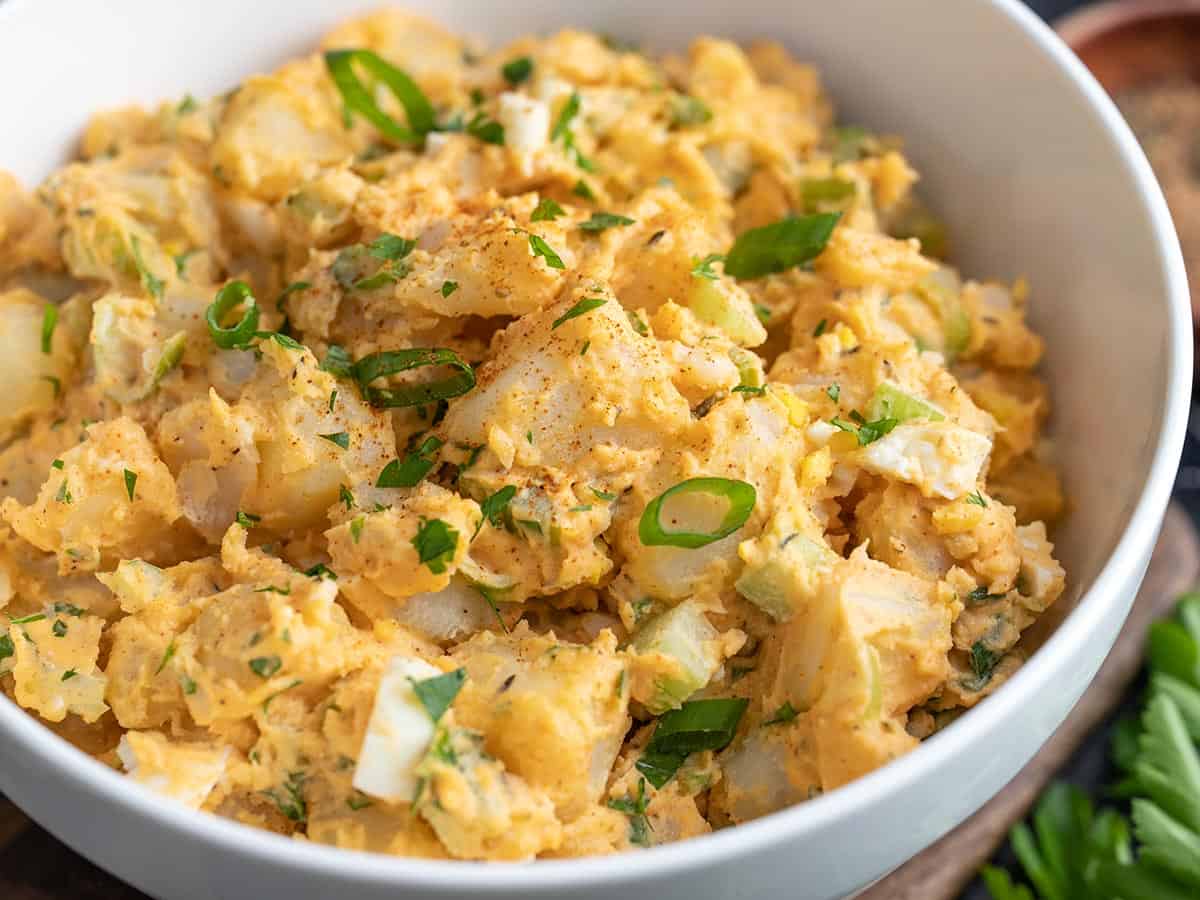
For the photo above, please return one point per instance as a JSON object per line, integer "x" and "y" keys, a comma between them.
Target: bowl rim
{"x": 90, "y": 779}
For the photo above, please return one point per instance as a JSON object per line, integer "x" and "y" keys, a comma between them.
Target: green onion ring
{"x": 229, "y": 298}
{"x": 358, "y": 99}
{"x": 740, "y": 494}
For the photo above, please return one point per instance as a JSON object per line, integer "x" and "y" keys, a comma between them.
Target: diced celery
{"x": 684, "y": 634}
{"x": 780, "y": 583}
{"x": 749, "y": 366}
{"x": 889, "y": 402}
{"x": 818, "y": 194}
{"x": 711, "y": 304}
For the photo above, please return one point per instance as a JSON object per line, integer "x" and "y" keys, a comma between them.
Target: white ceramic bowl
{"x": 1036, "y": 173}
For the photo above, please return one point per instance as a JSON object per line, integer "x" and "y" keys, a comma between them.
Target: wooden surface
{"x": 35, "y": 866}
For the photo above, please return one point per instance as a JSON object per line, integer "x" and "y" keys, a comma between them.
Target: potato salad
{"x": 504, "y": 453}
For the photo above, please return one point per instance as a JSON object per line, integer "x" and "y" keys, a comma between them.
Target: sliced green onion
{"x": 340, "y": 438}
{"x": 172, "y": 353}
{"x": 687, "y": 111}
{"x": 437, "y": 693}
{"x": 358, "y": 99}
{"x": 265, "y": 666}
{"x": 740, "y": 494}
{"x": 49, "y": 322}
{"x": 390, "y": 362}
{"x": 816, "y": 192}
{"x": 782, "y": 245}
{"x": 586, "y": 305}
{"x": 338, "y": 362}
{"x": 229, "y": 298}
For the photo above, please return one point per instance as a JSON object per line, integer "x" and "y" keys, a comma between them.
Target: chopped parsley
{"x": 820, "y": 329}
{"x": 517, "y": 70}
{"x": 49, "y": 323}
{"x": 983, "y": 662}
{"x": 341, "y": 438}
{"x": 64, "y": 493}
{"x": 437, "y": 693}
{"x": 686, "y": 111}
{"x": 357, "y": 801}
{"x": 290, "y": 797}
{"x": 780, "y": 246}
{"x": 167, "y": 656}
{"x": 435, "y": 543}
{"x": 356, "y": 527}
{"x": 834, "y": 392}
{"x": 540, "y": 248}
{"x": 979, "y": 596}
{"x": 130, "y": 483}
{"x": 602, "y": 221}
{"x": 635, "y": 808}
{"x": 586, "y": 305}
{"x": 487, "y": 130}
{"x": 6, "y": 647}
{"x": 265, "y": 666}
{"x": 59, "y": 628}
{"x": 546, "y": 211}
{"x": 866, "y": 432}
{"x": 247, "y": 520}
{"x": 57, "y": 464}
{"x": 319, "y": 571}
{"x": 581, "y": 189}
{"x": 345, "y": 496}
{"x": 68, "y": 675}
{"x": 189, "y": 686}
{"x": 703, "y": 268}
{"x": 415, "y": 466}
{"x": 495, "y": 506}
{"x": 562, "y": 129}
{"x": 337, "y": 362}
{"x": 54, "y": 382}
{"x": 449, "y": 287}
{"x": 697, "y": 725}
{"x": 153, "y": 284}
{"x": 783, "y": 715}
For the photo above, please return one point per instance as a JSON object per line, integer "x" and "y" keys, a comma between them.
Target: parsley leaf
{"x": 703, "y": 268}
{"x": 340, "y": 438}
{"x": 437, "y": 693}
{"x": 415, "y": 466}
{"x": 130, "y": 483}
{"x": 783, "y": 715}
{"x": 540, "y": 248}
{"x": 435, "y": 543}
{"x": 546, "y": 211}
{"x": 780, "y": 246}
{"x": 586, "y": 305}
{"x": 495, "y": 505}
{"x": 601, "y": 221}
{"x": 449, "y": 287}
{"x": 265, "y": 666}
{"x": 517, "y": 70}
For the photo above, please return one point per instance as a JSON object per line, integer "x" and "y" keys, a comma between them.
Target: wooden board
{"x": 35, "y": 866}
